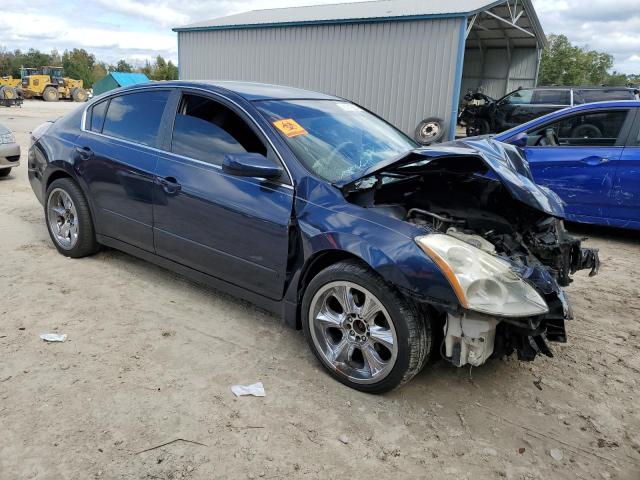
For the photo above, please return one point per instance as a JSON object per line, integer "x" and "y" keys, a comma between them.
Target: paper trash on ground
{"x": 257, "y": 390}
{"x": 53, "y": 337}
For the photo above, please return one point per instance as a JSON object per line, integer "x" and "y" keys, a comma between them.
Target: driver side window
{"x": 207, "y": 130}
{"x": 596, "y": 129}
{"x": 520, "y": 97}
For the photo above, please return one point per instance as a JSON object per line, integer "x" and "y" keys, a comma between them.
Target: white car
{"x": 9, "y": 151}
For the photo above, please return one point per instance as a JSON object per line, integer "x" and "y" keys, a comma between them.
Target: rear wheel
{"x": 69, "y": 219}
{"x": 4, "y": 172}
{"x": 364, "y": 333}
{"x": 50, "y": 94}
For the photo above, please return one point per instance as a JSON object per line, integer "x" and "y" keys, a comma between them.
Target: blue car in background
{"x": 321, "y": 212}
{"x": 590, "y": 156}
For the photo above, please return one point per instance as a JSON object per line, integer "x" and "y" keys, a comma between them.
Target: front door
{"x": 117, "y": 158}
{"x": 581, "y": 166}
{"x": 233, "y": 228}
{"x": 524, "y": 105}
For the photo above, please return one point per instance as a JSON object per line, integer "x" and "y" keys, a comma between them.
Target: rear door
{"x": 117, "y": 157}
{"x": 233, "y": 228}
{"x": 626, "y": 186}
{"x": 581, "y": 167}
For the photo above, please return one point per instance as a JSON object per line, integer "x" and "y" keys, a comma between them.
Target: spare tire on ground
{"x": 430, "y": 130}
{"x": 586, "y": 130}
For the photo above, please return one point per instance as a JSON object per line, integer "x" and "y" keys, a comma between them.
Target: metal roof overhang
{"x": 488, "y": 25}
{"x": 510, "y": 23}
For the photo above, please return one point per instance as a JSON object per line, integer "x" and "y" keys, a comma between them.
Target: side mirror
{"x": 520, "y": 140}
{"x": 250, "y": 165}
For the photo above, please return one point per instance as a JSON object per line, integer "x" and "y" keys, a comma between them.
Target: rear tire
{"x": 69, "y": 221}
{"x": 50, "y": 94}
{"x": 5, "y": 172}
{"x": 398, "y": 322}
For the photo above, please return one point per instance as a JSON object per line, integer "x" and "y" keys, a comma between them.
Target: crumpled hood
{"x": 503, "y": 160}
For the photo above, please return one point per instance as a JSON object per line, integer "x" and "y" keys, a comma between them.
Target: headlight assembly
{"x": 7, "y": 138}
{"x": 482, "y": 282}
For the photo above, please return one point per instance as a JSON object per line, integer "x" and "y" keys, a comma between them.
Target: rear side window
{"x": 552, "y": 97}
{"x": 97, "y": 116}
{"x": 136, "y": 116}
{"x": 207, "y": 130}
{"x": 587, "y": 96}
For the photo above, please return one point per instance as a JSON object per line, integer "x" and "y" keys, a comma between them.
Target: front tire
{"x": 68, "y": 219}
{"x": 364, "y": 333}
{"x": 50, "y": 94}
{"x": 477, "y": 126}
{"x": 79, "y": 95}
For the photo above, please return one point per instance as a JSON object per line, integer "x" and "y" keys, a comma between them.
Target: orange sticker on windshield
{"x": 290, "y": 127}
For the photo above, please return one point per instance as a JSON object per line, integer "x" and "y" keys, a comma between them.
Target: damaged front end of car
{"x": 498, "y": 238}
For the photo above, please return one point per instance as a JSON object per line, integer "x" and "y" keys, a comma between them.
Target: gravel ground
{"x": 150, "y": 359}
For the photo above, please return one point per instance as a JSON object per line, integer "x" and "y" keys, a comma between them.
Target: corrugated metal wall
{"x": 490, "y": 68}
{"x": 403, "y": 71}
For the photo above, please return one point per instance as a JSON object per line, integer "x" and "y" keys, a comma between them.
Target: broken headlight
{"x": 482, "y": 282}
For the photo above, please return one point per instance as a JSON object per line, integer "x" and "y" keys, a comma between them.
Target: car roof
{"x": 602, "y": 104}
{"x": 248, "y": 90}
{"x": 587, "y": 87}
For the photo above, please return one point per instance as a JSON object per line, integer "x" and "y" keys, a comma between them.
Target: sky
{"x": 138, "y": 30}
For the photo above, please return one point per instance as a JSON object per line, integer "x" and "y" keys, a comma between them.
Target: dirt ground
{"x": 150, "y": 359}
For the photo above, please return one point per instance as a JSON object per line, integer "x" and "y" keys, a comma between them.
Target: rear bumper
{"x": 9, "y": 155}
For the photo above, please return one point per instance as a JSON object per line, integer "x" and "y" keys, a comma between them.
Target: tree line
{"x": 563, "y": 63}
{"x": 82, "y": 65}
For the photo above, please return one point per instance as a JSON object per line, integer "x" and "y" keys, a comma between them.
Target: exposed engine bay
{"x": 460, "y": 197}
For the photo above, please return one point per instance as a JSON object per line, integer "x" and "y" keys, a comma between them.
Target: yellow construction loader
{"x": 47, "y": 83}
{"x": 10, "y": 92}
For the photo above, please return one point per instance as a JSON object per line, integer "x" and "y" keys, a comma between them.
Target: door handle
{"x": 594, "y": 160}
{"x": 169, "y": 184}
{"x": 85, "y": 152}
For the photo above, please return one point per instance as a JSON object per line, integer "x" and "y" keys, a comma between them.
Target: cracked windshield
{"x": 336, "y": 140}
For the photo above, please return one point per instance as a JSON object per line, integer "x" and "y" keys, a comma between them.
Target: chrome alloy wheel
{"x": 353, "y": 332}
{"x": 63, "y": 218}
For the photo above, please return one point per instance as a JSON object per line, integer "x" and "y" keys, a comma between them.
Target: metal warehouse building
{"x": 403, "y": 59}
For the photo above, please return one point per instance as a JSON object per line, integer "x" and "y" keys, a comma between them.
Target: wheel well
{"x": 55, "y": 176}
{"x": 315, "y": 265}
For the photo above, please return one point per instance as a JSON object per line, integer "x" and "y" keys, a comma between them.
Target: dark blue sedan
{"x": 590, "y": 156}
{"x": 315, "y": 209}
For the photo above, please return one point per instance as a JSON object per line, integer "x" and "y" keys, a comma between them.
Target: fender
{"x": 418, "y": 277}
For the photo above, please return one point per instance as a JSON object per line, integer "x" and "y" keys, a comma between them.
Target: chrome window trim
{"x": 190, "y": 159}
{"x": 83, "y": 123}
